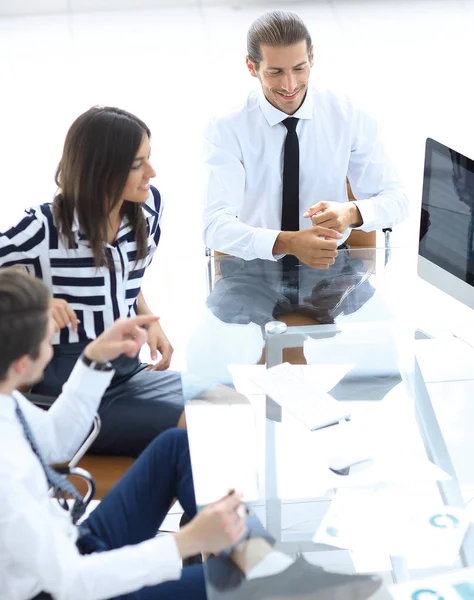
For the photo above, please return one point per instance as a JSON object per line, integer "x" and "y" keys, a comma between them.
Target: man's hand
{"x": 216, "y": 527}
{"x": 125, "y": 336}
{"x": 315, "y": 247}
{"x": 62, "y": 314}
{"x": 335, "y": 215}
{"x": 158, "y": 342}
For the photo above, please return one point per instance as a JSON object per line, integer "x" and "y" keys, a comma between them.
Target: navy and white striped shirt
{"x": 99, "y": 296}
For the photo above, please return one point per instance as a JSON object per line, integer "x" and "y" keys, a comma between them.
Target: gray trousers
{"x": 136, "y": 407}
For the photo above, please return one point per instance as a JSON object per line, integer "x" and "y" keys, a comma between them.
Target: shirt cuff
{"x": 367, "y": 212}
{"x": 163, "y": 557}
{"x": 263, "y": 242}
{"x": 88, "y": 381}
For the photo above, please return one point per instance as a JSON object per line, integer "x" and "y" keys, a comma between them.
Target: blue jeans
{"x": 135, "y": 507}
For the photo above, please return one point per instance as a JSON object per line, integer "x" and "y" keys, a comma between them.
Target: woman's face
{"x": 137, "y": 187}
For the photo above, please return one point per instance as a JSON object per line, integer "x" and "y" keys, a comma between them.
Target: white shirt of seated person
{"x": 37, "y": 538}
{"x": 244, "y": 160}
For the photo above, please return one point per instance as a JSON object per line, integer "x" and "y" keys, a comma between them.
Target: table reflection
{"x": 261, "y": 291}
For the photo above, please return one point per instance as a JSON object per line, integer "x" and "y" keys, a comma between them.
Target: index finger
{"x": 140, "y": 320}
{"x": 323, "y": 217}
{"x": 72, "y": 317}
{"x": 326, "y": 232}
{"x": 312, "y": 210}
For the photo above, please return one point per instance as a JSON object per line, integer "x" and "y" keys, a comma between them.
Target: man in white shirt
{"x": 42, "y": 550}
{"x": 246, "y": 166}
{"x": 114, "y": 553}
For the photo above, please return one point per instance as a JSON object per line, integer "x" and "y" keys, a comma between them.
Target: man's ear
{"x": 20, "y": 365}
{"x": 311, "y": 56}
{"x": 251, "y": 67}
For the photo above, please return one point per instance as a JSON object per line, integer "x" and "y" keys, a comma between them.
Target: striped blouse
{"x": 99, "y": 296}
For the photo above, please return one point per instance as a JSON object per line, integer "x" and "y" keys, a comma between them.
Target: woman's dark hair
{"x": 276, "y": 28}
{"x": 24, "y": 303}
{"x": 98, "y": 154}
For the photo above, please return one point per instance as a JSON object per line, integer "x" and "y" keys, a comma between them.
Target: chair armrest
{"x": 45, "y": 403}
{"x": 94, "y": 432}
{"x": 82, "y": 474}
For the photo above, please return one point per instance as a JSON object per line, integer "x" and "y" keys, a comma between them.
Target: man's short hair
{"x": 276, "y": 28}
{"x": 24, "y": 303}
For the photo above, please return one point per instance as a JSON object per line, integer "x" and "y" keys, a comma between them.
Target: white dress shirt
{"x": 37, "y": 538}
{"x": 244, "y": 160}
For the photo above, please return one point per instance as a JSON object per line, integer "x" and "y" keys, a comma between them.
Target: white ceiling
{"x": 25, "y": 7}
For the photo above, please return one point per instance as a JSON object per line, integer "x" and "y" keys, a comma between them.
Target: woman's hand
{"x": 125, "y": 336}
{"x": 62, "y": 314}
{"x": 216, "y": 527}
{"x": 158, "y": 342}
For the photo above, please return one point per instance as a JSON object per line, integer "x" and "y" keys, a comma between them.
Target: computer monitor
{"x": 446, "y": 247}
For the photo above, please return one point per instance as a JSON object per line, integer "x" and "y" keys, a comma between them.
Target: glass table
{"x": 305, "y": 395}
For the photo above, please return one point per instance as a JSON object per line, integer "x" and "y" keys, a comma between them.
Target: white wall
{"x": 32, "y": 7}
{"x": 408, "y": 62}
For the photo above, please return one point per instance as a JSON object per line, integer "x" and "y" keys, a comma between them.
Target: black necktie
{"x": 290, "y": 210}
{"x": 59, "y": 483}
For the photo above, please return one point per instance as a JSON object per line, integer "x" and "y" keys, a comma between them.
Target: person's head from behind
{"x": 280, "y": 55}
{"x": 105, "y": 166}
{"x": 26, "y": 328}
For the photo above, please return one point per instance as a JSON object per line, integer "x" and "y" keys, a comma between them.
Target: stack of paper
{"x": 314, "y": 408}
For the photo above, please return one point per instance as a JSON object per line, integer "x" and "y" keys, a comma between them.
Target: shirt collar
{"x": 274, "y": 115}
{"x": 148, "y": 212}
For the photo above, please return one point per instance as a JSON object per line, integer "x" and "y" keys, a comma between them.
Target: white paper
{"x": 369, "y": 350}
{"x": 220, "y": 459}
{"x": 349, "y": 522}
{"x": 425, "y": 533}
{"x": 456, "y": 585}
{"x": 287, "y": 387}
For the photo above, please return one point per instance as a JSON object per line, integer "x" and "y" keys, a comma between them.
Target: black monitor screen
{"x": 446, "y": 232}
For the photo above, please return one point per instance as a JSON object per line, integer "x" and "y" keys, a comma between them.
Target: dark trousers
{"x": 135, "y": 507}
{"x": 136, "y": 407}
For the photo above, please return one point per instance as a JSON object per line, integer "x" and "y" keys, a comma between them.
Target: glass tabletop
{"x": 305, "y": 396}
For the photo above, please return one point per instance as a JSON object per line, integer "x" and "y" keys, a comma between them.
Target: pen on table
{"x": 341, "y": 421}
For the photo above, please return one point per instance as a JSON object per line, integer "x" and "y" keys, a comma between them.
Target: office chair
{"x": 71, "y": 469}
{"x": 104, "y": 471}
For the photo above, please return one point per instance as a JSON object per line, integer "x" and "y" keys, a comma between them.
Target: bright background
{"x": 175, "y": 64}
{"x": 407, "y": 62}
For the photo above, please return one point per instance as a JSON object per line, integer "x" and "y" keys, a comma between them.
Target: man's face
{"x": 36, "y": 367}
{"x": 284, "y": 74}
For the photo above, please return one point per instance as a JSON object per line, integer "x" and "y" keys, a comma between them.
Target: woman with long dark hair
{"x": 91, "y": 246}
